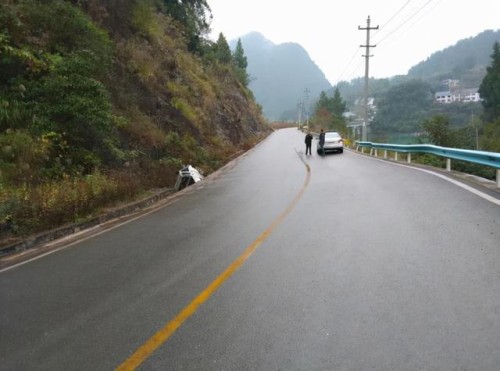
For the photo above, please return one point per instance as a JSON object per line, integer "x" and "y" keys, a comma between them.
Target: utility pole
{"x": 474, "y": 127}
{"x": 367, "y": 64}
{"x": 306, "y": 93}
{"x": 299, "y": 105}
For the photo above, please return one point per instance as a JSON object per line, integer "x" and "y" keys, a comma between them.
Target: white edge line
{"x": 453, "y": 181}
{"x": 82, "y": 239}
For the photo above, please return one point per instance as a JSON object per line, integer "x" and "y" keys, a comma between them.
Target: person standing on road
{"x": 322, "y": 141}
{"x": 308, "y": 142}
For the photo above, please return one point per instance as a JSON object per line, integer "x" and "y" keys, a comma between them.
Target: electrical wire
{"x": 348, "y": 64}
{"x": 405, "y": 22}
{"x": 417, "y": 20}
{"x": 390, "y": 19}
{"x": 393, "y": 32}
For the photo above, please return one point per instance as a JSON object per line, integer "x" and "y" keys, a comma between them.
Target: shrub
{"x": 21, "y": 157}
{"x": 29, "y": 209}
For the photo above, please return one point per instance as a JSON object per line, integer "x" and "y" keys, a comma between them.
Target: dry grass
{"x": 30, "y": 209}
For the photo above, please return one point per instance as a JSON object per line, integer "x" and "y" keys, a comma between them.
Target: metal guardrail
{"x": 478, "y": 157}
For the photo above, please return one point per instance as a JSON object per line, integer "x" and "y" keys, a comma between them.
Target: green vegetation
{"x": 490, "y": 92}
{"x": 222, "y": 51}
{"x": 402, "y": 108}
{"x": 194, "y": 17}
{"x": 488, "y": 134}
{"x": 485, "y": 131}
{"x": 490, "y": 86}
{"x": 107, "y": 103}
{"x": 328, "y": 113}
{"x": 241, "y": 64}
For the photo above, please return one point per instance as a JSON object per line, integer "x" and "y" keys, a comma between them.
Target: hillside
{"x": 101, "y": 101}
{"x": 465, "y": 61}
{"x": 280, "y": 74}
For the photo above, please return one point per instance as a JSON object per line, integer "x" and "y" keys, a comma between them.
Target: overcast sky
{"x": 409, "y": 30}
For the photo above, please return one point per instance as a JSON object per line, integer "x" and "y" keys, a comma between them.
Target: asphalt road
{"x": 341, "y": 262}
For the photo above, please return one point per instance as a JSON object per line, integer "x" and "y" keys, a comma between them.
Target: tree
{"x": 76, "y": 106}
{"x": 195, "y": 16}
{"x": 490, "y": 140}
{"x": 489, "y": 90}
{"x": 329, "y": 112}
{"x": 323, "y": 103}
{"x": 222, "y": 50}
{"x": 323, "y": 118}
{"x": 438, "y": 130}
{"x": 241, "y": 64}
{"x": 403, "y": 108}
{"x": 338, "y": 105}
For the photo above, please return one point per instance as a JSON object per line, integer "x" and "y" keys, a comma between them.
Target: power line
{"x": 392, "y": 17}
{"x": 410, "y": 25}
{"x": 356, "y": 52}
{"x": 405, "y": 21}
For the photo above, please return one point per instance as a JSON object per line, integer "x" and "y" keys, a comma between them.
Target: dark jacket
{"x": 322, "y": 139}
{"x": 308, "y": 139}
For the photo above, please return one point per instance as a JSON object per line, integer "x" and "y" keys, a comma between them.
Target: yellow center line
{"x": 145, "y": 350}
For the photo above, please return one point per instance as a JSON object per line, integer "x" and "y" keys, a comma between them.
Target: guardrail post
{"x": 478, "y": 157}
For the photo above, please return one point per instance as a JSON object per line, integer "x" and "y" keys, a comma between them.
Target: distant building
{"x": 470, "y": 95}
{"x": 443, "y": 97}
{"x": 455, "y": 93}
{"x": 458, "y": 95}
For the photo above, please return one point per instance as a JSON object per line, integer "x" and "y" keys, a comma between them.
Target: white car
{"x": 333, "y": 143}
{"x": 187, "y": 175}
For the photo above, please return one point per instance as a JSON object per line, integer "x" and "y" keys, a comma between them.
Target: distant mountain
{"x": 465, "y": 61}
{"x": 280, "y": 76}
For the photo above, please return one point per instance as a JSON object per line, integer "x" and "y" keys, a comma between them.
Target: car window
{"x": 332, "y": 135}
